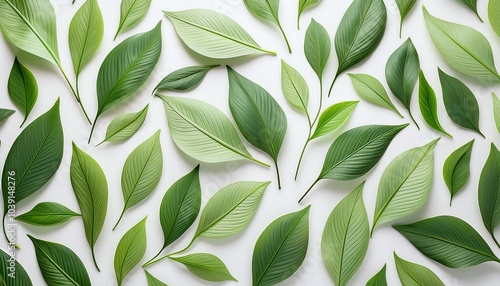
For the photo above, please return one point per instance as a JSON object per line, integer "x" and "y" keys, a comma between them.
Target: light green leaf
{"x": 126, "y": 68}
{"x": 303, "y": 5}
{"x": 131, "y": 13}
{"x": 494, "y": 15}
{"x": 472, "y": 5}
{"x": 125, "y": 126}
{"x": 21, "y": 277}
{"x": 213, "y": 34}
{"x": 141, "y": 172}
{"x": 496, "y": 110}
{"x": 333, "y": 118}
{"x": 203, "y": 132}
{"x": 59, "y": 264}
{"x": 404, "y": 7}
{"x": 345, "y": 238}
{"x": 428, "y": 105}
{"x": 371, "y": 90}
{"x": 33, "y": 158}
{"x": 317, "y": 45}
{"x": 378, "y": 279}
{"x": 356, "y": 152}
{"x": 464, "y": 48}
{"x": 489, "y": 192}
{"x": 267, "y": 10}
{"x": 456, "y": 169}
{"x": 359, "y": 33}
{"x": 281, "y": 248}
{"x": 5, "y": 113}
{"x": 184, "y": 78}
{"x": 411, "y": 274}
{"x": 230, "y": 209}
{"x": 91, "y": 191}
{"x": 405, "y": 184}
{"x": 206, "y": 266}
{"x": 448, "y": 240}
{"x": 153, "y": 281}
{"x": 130, "y": 250}
{"x": 460, "y": 103}
{"x": 294, "y": 88}
{"x": 401, "y": 73}
{"x": 23, "y": 88}
{"x": 47, "y": 214}
{"x": 258, "y": 116}
{"x": 85, "y": 34}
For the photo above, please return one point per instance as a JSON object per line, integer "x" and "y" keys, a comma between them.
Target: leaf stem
{"x": 153, "y": 261}
{"x": 119, "y": 219}
{"x": 411, "y": 116}
{"x": 496, "y": 241}
{"x": 147, "y": 263}
{"x": 320, "y": 102}
{"x": 93, "y": 126}
{"x": 93, "y": 258}
{"x": 308, "y": 190}
{"x": 3, "y": 227}
{"x": 286, "y": 39}
{"x": 277, "y": 174}
{"x": 302, "y": 154}
{"x": 400, "y": 27}
{"x": 333, "y": 82}
{"x": 75, "y": 92}
{"x": 253, "y": 160}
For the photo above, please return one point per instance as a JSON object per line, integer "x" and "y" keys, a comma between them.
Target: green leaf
{"x": 203, "y": 132}
{"x": 472, "y": 5}
{"x": 125, "y": 126}
{"x": 456, "y": 169}
{"x": 131, "y": 13}
{"x": 31, "y": 26}
{"x": 448, "y": 240}
{"x": 130, "y": 250}
{"x": 206, "y": 266}
{"x": 345, "y": 238}
{"x": 356, "y": 152}
{"x": 5, "y": 113}
{"x": 213, "y": 35}
{"x": 47, "y": 214}
{"x": 20, "y": 277}
{"x": 59, "y": 264}
{"x": 489, "y": 192}
{"x": 23, "y": 88}
{"x": 230, "y": 209}
{"x": 185, "y": 78}
{"x": 428, "y": 105}
{"x": 294, "y": 88}
{"x": 404, "y": 7}
{"x": 378, "y": 279}
{"x": 303, "y": 5}
{"x": 333, "y": 118}
{"x": 494, "y": 15}
{"x": 153, "y": 281}
{"x": 126, "y": 68}
{"x": 460, "y": 103}
{"x": 371, "y": 90}
{"x": 33, "y": 158}
{"x": 411, "y": 274}
{"x": 401, "y": 73}
{"x": 258, "y": 116}
{"x": 464, "y": 48}
{"x": 405, "y": 184}
{"x": 359, "y": 33}
{"x": 317, "y": 47}
{"x": 141, "y": 172}
{"x": 496, "y": 110}
{"x": 91, "y": 191}
{"x": 267, "y": 10}
{"x": 281, "y": 248}
{"x": 85, "y": 34}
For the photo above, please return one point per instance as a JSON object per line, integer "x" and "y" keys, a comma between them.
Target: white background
{"x": 236, "y": 251}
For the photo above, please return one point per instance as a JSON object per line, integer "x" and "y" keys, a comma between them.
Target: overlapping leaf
{"x": 23, "y": 88}
{"x": 456, "y": 169}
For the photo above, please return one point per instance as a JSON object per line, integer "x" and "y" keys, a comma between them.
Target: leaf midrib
{"x": 125, "y": 17}
{"x": 125, "y": 255}
{"x": 79, "y": 66}
{"x": 62, "y": 271}
{"x": 320, "y": 126}
{"x": 379, "y": 95}
{"x": 345, "y": 240}
{"x": 304, "y": 105}
{"x": 128, "y": 124}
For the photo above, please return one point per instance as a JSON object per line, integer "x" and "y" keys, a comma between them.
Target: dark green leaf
{"x": 428, "y": 105}
{"x": 317, "y": 47}
{"x": 206, "y": 266}
{"x": 130, "y": 250}
{"x": 23, "y": 88}
{"x": 5, "y": 113}
{"x": 378, "y": 279}
{"x": 20, "y": 276}
{"x": 184, "y": 78}
{"x": 47, "y": 214}
{"x": 411, "y": 274}
{"x": 456, "y": 169}
{"x": 472, "y": 5}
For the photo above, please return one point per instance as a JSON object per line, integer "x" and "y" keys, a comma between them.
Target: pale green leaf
{"x": 496, "y": 110}
{"x": 131, "y": 13}
{"x": 130, "y": 250}
{"x": 294, "y": 88}
{"x": 206, "y": 266}
{"x": 456, "y": 169}
{"x": 153, "y": 281}
{"x": 333, "y": 118}
{"x": 317, "y": 45}
{"x": 303, "y": 5}
{"x": 23, "y": 88}
{"x": 494, "y": 15}
{"x": 184, "y": 78}
{"x": 428, "y": 105}
{"x": 125, "y": 126}
{"x": 404, "y": 7}
{"x": 378, "y": 279}
{"x": 47, "y": 214}
{"x": 411, "y": 274}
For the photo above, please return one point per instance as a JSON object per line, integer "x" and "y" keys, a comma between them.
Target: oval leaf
{"x": 345, "y": 238}
{"x": 472, "y": 5}
{"x": 448, "y": 240}
{"x": 281, "y": 248}
{"x": 130, "y": 250}
{"x": 494, "y": 15}
{"x": 131, "y": 13}
{"x": 294, "y": 88}
{"x": 404, "y": 7}
{"x": 405, "y": 184}
{"x": 464, "y": 48}
{"x": 456, "y": 169}
{"x": 59, "y": 264}
{"x": 213, "y": 34}
{"x": 47, "y": 214}
{"x": 203, "y": 132}
{"x": 91, "y": 191}
{"x": 184, "y": 78}
{"x": 153, "y": 281}
{"x": 411, "y": 274}
{"x": 206, "y": 266}
{"x": 496, "y": 110}
{"x": 378, "y": 279}
{"x": 371, "y": 90}
{"x": 333, "y": 118}
{"x": 428, "y": 104}
{"x": 125, "y": 126}
{"x": 489, "y": 192}
{"x": 23, "y": 88}
{"x": 317, "y": 45}
{"x": 461, "y": 104}
{"x": 303, "y": 5}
